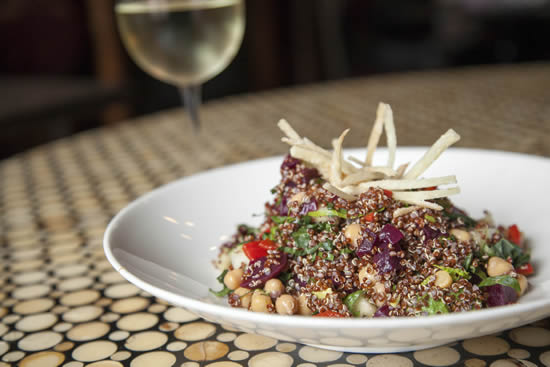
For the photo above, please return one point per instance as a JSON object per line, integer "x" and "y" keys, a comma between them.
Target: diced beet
{"x": 258, "y": 271}
{"x": 310, "y": 174}
{"x": 309, "y": 206}
{"x": 290, "y": 184}
{"x": 301, "y": 283}
{"x": 385, "y": 263}
{"x": 367, "y": 244}
{"x": 281, "y": 208}
{"x": 390, "y": 234}
{"x": 383, "y": 311}
{"x": 500, "y": 295}
{"x": 289, "y": 162}
{"x": 430, "y": 233}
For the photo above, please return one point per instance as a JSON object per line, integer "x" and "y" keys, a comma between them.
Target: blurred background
{"x": 63, "y": 68}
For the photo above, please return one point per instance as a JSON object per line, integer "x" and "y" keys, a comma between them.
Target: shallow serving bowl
{"x": 165, "y": 242}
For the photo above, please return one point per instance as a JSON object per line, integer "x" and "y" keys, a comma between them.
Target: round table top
{"x": 61, "y": 303}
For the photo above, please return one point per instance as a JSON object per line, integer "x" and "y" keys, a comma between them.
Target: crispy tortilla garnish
{"x": 327, "y": 186}
{"x": 444, "y": 141}
{"x": 348, "y": 181}
{"x": 405, "y": 210}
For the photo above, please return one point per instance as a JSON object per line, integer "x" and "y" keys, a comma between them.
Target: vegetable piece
{"x": 238, "y": 258}
{"x": 322, "y": 294}
{"x": 525, "y": 269}
{"x": 328, "y": 314}
{"x": 369, "y": 217}
{"x": 383, "y": 311}
{"x": 385, "y": 263}
{"x": 455, "y": 273}
{"x": 514, "y": 235}
{"x": 500, "y": 295}
{"x": 225, "y": 291}
{"x": 505, "y": 280}
{"x": 388, "y": 193}
{"x": 435, "y": 307}
{"x": 506, "y": 249}
{"x": 308, "y": 207}
{"x": 429, "y": 218}
{"x": 390, "y": 234}
{"x": 351, "y": 299}
{"x": 257, "y": 272}
{"x": 256, "y": 249}
{"x": 326, "y": 212}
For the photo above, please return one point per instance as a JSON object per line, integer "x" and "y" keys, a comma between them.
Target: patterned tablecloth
{"x": 61, "y": 303}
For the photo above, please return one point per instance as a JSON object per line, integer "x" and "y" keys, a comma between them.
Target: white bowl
{"x": 165, "y": 242}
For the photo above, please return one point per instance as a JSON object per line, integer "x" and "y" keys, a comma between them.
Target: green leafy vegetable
{"x": 280, "y": 219}
{"x": 351, "y": 299}
{"x": 225, "y": 291}
{"x": 505, "y": 280}
{"x": 468, "y": 261}
{"x": 285, "y": 277}
{"x": 480, "y": 273}
{"x": 429, "y": 218}
{"x": 326, "y": 212}
{"x": 506, "y": 249}
{"x": 455, "y": 273}
{"x": 435, "y": 307}
{"x": 427, "y": 280}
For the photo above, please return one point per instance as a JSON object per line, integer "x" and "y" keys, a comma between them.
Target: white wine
{"x": 182, "y": 42}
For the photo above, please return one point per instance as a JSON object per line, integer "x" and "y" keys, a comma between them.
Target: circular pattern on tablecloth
{"x": 57, "y": 200}
{"x": 486, "y": 346}
{"x": 94, "y": 351}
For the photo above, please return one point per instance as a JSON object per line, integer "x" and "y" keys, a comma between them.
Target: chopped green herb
{"x": 346, "y": 250}
{"x": 506, "y": 249}
{"x": 351, "y": 299}
{"x": 326, "y": 212}
{"x": 381, "y": 209}
{"x": 468, "y": 261}
{"x": 427, "y": 280}
{"x": 455, "y": 273}
{"x": 280, "y": 219}
{"x": 505, "y": 280}
{"x": 429, "y": 218}
{"x": 225, "y": 291}
{"x": 435, "y": 307}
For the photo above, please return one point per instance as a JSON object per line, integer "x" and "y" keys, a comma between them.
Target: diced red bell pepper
{"x": 256, "y": 249}
{"x": 388, "y": 193}
{"x": 526, "y": 269}
{"x": 328, "y": 314}
{"x": 369, "y": 217}
{"x": 514, "y": 235}
{"x": 431, "y": 188}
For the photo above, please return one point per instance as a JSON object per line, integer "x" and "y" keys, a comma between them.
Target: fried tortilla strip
{"x": 444, "y": 141}
{"x": 399, "y": 184}
{"x": 375, "y": 133}
{"x": 336, "y": 191}
{"x": 402, "y": 211}
{"x": 335, "y": 177}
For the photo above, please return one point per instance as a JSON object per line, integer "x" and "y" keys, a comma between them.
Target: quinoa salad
{"x": 345, "y": 238}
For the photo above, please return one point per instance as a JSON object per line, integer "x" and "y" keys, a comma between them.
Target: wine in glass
{"x": 182, "y": 42}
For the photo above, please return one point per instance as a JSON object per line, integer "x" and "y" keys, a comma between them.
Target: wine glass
{"x": 182, "y": 42}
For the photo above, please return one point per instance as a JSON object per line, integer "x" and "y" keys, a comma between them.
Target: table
{"x": 61, "y": 303}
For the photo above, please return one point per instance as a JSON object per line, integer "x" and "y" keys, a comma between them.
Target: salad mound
{"x": 345, "y": 238}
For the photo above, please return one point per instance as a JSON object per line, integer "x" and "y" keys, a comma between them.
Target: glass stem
{"x": 191, "y": 96}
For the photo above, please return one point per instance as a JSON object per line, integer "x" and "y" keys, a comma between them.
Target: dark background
{"x": 63, "y": 69}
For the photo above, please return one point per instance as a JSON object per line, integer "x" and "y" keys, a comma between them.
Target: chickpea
{"x": 299, "y": 197}
{"x": 274, "y": 287}
{"x": 461, "y": 235}
{"x": 352, "y": 232}
{"x": 523, "y": 284}
{"x": 443, "y": 279}
{"x": 497, "y": 266}
{"x": 286, "y": 305}
{"x": 233, "y": 278}
{"x": 303, "y": 308}
{"x": 260, "y": 302}
{"x": 245, "y": 295}
{"x": 367, "y": 273}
